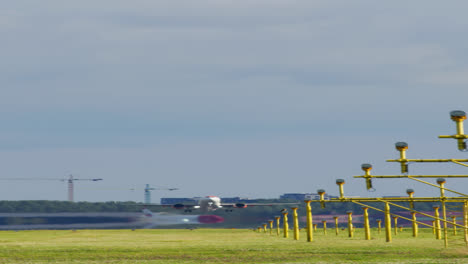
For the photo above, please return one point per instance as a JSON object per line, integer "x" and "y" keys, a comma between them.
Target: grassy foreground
{"x": 222, "y": 246}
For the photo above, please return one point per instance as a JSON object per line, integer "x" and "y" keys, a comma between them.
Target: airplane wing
{"x": 176, "y": 206}
{"x": 244, "y": 205}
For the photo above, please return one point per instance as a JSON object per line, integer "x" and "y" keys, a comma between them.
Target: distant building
{"x": 236, "y": 200}
{"x": 194, "y": 200}
{"x": 294, "y": 196}
{"x": 305, "y": 196}
{"x": 290, "y": 196}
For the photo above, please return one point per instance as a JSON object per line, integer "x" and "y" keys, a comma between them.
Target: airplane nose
{"x": 210, "y": 219}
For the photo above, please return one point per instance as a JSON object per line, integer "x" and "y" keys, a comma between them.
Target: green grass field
{"x": 223, "y": 246}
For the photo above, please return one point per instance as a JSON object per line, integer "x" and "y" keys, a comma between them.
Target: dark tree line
{"x": 39, "y": 206}
{"x": 238, "y": 218}
{"x": 45, "y": 206}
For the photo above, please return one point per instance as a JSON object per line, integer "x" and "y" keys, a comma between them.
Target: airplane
{"x": 151, "y": 219}
{"x": 212, "y": 203}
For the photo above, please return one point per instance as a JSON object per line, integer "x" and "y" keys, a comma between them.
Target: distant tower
{"x": 148, "y": 193}
{"x": 70, "y": 182}
{"x": 70, "y": 188}
{"x": 148, "y": 190}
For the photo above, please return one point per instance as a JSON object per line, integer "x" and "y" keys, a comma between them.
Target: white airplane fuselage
{"x": 209, "y": 203}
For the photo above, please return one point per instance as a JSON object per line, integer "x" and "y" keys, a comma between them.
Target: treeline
{"x": 43, "y": 206}
{"x": 235, "y": 218}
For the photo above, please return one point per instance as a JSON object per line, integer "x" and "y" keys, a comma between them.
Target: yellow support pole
{"x": 315, "y": 227}
{"x": 321, "y": 193}
{"x": 324, "y": 222}
{"x": 395, "y": 219}
{"x": 366, "y": 167}
{"x": 350, "y": 223}
{"x": 336, "y": 224}
{"x": 379, "y": 225}
{"x": 295, "y": 223}
{"x": 401, "y": 228}
{"x": 340, "y": 183}
{"x": 441, "y": 182}
{"x": 437, "y": 222}
{"x": 402, "y": 147}
{"x": 410, "y": 193}
{"x": 414, "y": 224}
{"x": 277, "y": 218}
{"x": 454, "y": 221}
{"x": 458, "y": 117}
{"x": 285, "y": 225}
{"x": 465, "y": 220}
{"x": 388, "y": 224}
{"x": 433, "y": 227}
{"x": 310, "y": 237}
{"x": 366, "y": 223}
{"x": 264, "y": 228}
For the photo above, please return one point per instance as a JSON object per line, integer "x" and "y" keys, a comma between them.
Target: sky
{"x": 230, "y": 98}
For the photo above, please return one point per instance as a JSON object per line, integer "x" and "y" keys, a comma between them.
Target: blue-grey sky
{"x": 230, "y": 98}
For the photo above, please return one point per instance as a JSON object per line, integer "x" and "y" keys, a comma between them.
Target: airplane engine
{"x": 178, "y": 206}
{"x": 241, "y": 205}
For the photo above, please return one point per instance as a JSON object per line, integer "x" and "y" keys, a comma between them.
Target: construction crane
{"x": 148, "y": 190}
{"x": 70, "y": 182}
{"x": 71, "y": 187}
